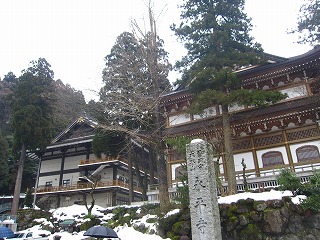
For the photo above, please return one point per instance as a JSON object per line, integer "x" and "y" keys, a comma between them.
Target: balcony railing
{"x": 86, "y": 186}
{"x": 101, "y": 160}
{"x": 108, "y": 159}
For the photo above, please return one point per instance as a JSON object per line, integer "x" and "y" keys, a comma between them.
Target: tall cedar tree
{"x": 131, "y": 92}
{"x": 309, "y": 22}
{"x": 216, "y": 37}
{"x": 32, "y": 115}
{"x": 4, "y": 170}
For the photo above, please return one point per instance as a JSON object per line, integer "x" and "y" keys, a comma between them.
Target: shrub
{"x": 289, "y": 181}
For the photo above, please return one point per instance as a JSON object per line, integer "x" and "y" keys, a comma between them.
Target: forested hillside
{"x": 68, "y": 105}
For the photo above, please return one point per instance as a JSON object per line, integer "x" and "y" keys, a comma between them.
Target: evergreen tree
{"x": 4, "y": 170}
{"x": 32, "y": 115}
{"x": 28, "y": 198}
{"x": 10, "y": 78}
{"x": 216, "y": 36}
{"x": 135, "y": 75}
{"x": 309, "y": 22}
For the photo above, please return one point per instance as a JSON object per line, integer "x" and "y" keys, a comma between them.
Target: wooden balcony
{"x": 108, "y": 159}
{"x": 103, "y": 160}
{"x": 86, "y": 186}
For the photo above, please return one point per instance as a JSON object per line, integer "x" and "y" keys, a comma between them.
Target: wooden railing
{"x": 101, "y": 160}
{"x": 108, "y": 159}
{"x": 86, "y": 186}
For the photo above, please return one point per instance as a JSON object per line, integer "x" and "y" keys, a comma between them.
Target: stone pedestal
{"x": 204, "y": 209}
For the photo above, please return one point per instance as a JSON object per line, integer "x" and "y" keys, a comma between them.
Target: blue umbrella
{"x": 101, "y": 232}
{"x": 6, "y": 232}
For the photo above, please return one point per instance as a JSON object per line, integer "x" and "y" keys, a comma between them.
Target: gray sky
{"x": 74, "y": 36}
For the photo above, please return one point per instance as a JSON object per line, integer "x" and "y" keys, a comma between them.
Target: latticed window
{"x": 272, "y": 158}
{"x": 307, "y": 153}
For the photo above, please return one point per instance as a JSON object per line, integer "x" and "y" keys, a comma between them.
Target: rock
{"x": 275, "y": 220}
{"x": 290, "y": 237}
{"x": 256, "y": 216}
{"x": 244, "y": 206}
{"x": 295, "y": 224}
{"x": 243, "y": 221}
{"x": 260, "y": 206}
{"x": 142, "y": 227}
{"x": 310, "y": 237}
{"x": 231, "y": 224}
{"x": 313, "y": 221}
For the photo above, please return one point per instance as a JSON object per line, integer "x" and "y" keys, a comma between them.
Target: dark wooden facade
{"x": 70, "y": 157}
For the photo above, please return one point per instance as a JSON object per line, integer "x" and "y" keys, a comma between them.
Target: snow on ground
{"x": 272, "y": 195}
{"x": 128, "y": 233}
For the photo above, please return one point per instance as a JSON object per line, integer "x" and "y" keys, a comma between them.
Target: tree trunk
{"x": 163, "y": 181}
{"x": 17, "y": 188}
{"x": 228, "y": 151}
{"x": 151, "y": 166}
{"x": 131, "y": 197}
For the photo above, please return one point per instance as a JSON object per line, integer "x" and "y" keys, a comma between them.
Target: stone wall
{"x": 257, "y": 220}
{"x": 273, "y": 219}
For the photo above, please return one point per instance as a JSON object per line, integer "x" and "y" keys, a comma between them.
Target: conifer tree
{"x": 32, "y": 115}
{"x": 216, "y": 36}
{"x": 135, "y": 76}
{"x": 308, "y": 24}
{"x": 4, "y": 169}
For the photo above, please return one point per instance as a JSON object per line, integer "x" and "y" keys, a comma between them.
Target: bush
{"x": 90, "y": 223}
{"x": 289, "y": 181}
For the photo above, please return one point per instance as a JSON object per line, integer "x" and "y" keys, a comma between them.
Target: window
{"x": 66, "y": 183}
{"x": 49, "y": 184}
{"x": 307, "y": 153}
{"x": 272, "y": 158}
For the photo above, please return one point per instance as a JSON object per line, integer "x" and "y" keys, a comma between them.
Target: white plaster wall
{"x": 173, "y": 170}
{"x": 298, "y": 91}
{"x": 248, "y": 160}
{"x": 106, "y": 174}
{"x": 50, "y": 165}
{"x": 74, "y": 177}
{"x": 177, "y": 119}
{"x": 73, "y": 162}
{"x": 53, "y": 178}
{"x": 102, "y": 199}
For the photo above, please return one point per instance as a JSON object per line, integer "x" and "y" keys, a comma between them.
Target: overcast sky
{"x": 74, "y": 36}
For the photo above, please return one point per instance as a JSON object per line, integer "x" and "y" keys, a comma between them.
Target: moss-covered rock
{"x": 251, "y": 232}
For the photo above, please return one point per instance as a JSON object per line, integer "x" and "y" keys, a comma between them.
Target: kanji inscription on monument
{"x": 204, "y": 209}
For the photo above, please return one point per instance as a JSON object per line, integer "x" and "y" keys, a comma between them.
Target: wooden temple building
{"x": 282, "y": 135}
{"x": 68, "y": 169}
{"x": 268, "y": 139}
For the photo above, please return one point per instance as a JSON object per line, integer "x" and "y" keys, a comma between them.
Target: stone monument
{"x": 204, "y": 209}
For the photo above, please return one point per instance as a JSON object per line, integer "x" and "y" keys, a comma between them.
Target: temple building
{"x": 69, "y": 171}
{"x": 282, "y": 135}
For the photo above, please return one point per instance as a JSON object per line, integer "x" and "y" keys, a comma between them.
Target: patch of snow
{"x": 172, "y": 212}
{"x": 264, "y": 196}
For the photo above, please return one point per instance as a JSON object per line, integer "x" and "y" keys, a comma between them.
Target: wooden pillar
{"x": 288, "y": 150}
{"x": 63, "y": 150}
{"x": 255, "y": 157}
{"x": 88, "y": 147}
